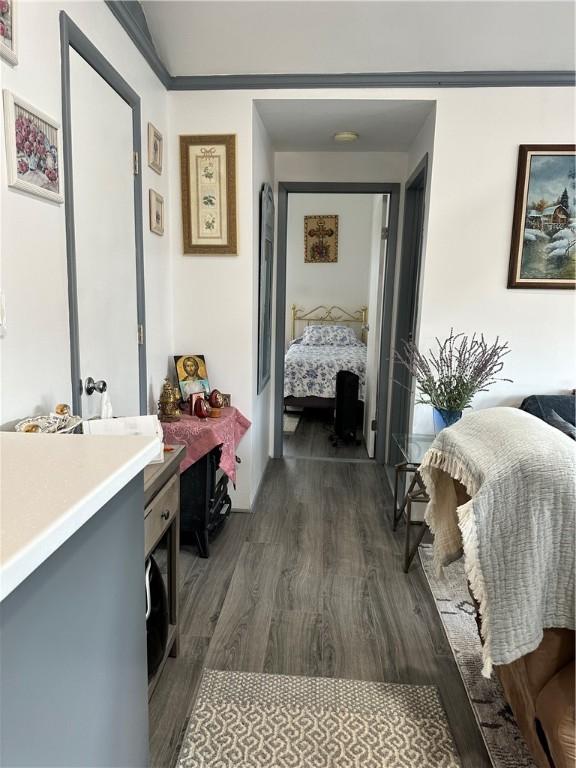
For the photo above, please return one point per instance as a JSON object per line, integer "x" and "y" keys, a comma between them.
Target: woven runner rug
{"x": 504, "y": 742}
{"x": 291, "y": 421}
{"x": 252, "y": 720}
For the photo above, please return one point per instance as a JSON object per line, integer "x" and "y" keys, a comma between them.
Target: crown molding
{"x": 131, "y": 18}
{"x": 373, "y": 80}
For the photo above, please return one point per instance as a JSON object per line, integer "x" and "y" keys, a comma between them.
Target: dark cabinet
{"x": 204, "y": 500}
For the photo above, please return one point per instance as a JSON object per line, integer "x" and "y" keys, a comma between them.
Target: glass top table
{"x": 413, "y": 446}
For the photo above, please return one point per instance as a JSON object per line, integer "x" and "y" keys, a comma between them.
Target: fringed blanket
{"x": 516, "y": 532}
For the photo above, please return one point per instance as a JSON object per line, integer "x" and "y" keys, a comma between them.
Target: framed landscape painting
{"x": 543, "y": 253}
{"x": 208, "y": 177}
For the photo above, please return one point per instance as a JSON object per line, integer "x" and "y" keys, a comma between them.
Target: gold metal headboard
{"x": 333, "y": 314}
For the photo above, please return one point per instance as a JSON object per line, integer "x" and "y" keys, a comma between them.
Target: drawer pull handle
{"x": 165, "y": 515}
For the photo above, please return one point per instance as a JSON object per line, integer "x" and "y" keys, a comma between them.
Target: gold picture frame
{"x": 208, "y": 178}
{"x": 321, "y": 239}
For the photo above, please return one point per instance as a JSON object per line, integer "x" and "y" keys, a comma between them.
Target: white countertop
{"x": 50, "y": 485}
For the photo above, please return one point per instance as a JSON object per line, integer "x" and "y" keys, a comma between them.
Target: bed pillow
{"x": 329, "y": 335}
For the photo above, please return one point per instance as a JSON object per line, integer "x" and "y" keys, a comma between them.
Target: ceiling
{"x": 323, "y": 36}
{"x": 298, "y": 125}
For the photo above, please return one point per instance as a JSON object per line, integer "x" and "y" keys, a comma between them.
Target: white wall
{"x": 214, "y": 298}
{"x": 345, "y": 282}
{"x": 339, "y": 166}
{"x": 468, "y": 239}
{"x": 473, "y": 171}
{"x": 35, "y": 350}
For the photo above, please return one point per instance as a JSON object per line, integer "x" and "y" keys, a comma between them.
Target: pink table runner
{"x": 200, "y": 436}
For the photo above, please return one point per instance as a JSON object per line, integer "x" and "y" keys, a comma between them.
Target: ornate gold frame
{"x": 332, "y": 314}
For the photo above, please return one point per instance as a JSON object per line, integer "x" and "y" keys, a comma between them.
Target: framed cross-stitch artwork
{"x": 8, "y": 31}
{"x": 33, "y": 149}
{"x": 208, "y": 178}
{"x": 156, "y": 213}
{"x": 320, "y": 239}
{"x": 155, "y": 148}
{"x": 543, "y": 252}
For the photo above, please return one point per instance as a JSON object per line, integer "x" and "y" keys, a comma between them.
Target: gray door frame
{"x": 72, "y": 37}
{"x": 384, "y": 188}
{"x": 408, "y": 295}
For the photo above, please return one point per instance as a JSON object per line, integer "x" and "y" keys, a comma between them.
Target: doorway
{"x": 103, "y": 229}
{"x": 407, "y": 311}
{"x": 392, "y": 193}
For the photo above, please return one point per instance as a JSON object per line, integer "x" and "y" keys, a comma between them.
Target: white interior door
{"x": 102, "y": 159}
{"x": 375, "y": 302}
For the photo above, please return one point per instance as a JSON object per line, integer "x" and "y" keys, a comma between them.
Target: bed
{"x": 323, "y": 341}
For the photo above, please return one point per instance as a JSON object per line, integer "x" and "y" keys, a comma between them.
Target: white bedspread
{"x": 517, "y": 531}
{"x": 310, "y": 371}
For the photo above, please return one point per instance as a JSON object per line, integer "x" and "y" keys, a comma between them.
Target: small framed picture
{"x": 155, "y": 148}
{"x": 156, "y": 213}
{"x": 227, "y": 400}
{"x": 33, "y": 149}
{"x": 8, "y": 31}
{"x": 192, "y": 374}
{"x": 192, "y": 400}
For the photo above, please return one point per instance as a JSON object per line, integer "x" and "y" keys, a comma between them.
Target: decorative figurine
{"x": 201, "y": 408}
{"x": 168, "y": 402}
{"x": 216, "y": 402}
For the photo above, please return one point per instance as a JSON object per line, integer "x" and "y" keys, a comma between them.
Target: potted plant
{"x": 449, "y": 378}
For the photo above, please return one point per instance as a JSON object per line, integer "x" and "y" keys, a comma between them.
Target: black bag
{"x": 156, "y": 616}
{"x": 347, "y": 388}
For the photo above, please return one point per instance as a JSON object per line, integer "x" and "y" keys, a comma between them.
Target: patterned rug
{"x": 503, "y": 740}
{"x": 250, "y": 720}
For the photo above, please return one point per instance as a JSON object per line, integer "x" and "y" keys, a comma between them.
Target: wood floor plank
{"x": 295, "y": 644}
{"x": 300, "y": 581}
{"x": 349, "y": 648}
{"x": 312, "y": 438}
{"x": 240, "y": 639}
{"x": 205, "y": 587}
{"x": 172, "y": 701}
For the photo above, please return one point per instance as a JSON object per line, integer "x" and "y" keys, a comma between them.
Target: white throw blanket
{"x": 517, "y": 531}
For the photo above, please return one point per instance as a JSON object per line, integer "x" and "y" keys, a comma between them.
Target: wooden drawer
{"x": 160, "y": 513}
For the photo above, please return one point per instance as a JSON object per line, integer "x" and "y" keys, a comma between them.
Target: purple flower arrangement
{"x": 34, "y": 151}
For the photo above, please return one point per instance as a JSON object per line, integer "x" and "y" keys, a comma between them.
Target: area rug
{"x": 291, "y": 421}
{"x": 258, "y": 720}
{"x": 504, "y": 742}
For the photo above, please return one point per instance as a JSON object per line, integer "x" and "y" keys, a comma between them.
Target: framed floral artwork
{"x": 8, "y": 31}
{"x": 543, "y": 252}
{"x": 208, "y": 177}
{"x": 33, "y": 149}
{"x": 156, "y": 213}
{"x": 155, "y": 148}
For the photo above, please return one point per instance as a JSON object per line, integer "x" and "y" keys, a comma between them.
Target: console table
{"x": 207, "y": 465}
{"x": 412, "y": 447}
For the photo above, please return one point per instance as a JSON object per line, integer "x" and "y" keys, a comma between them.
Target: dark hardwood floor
{"x": 312, "y": 439}
{"x": 311, "y": 583}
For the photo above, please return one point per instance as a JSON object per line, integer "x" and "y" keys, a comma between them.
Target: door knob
{"x": 91, "y": 386}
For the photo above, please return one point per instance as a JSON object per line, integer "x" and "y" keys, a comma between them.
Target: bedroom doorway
{"x": 336, "y": 263}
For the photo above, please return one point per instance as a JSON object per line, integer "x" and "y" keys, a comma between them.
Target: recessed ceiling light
{"x": 345, "y": 136}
